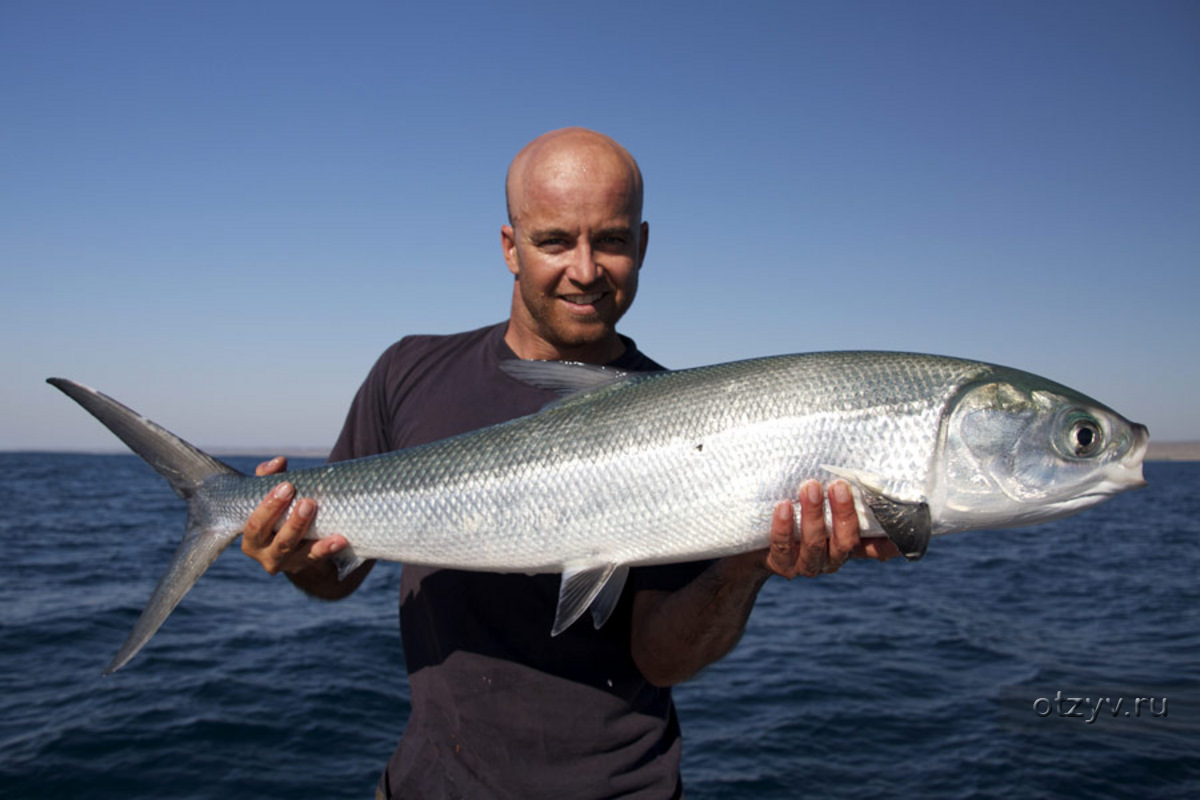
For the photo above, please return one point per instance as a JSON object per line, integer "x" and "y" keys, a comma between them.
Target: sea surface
{"x": 947, "y": 678}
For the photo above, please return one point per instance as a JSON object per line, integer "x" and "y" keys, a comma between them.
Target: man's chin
{"x": 579, "y": 333}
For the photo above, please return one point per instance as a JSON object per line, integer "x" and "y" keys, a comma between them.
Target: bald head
{"x": 575, "y": 243}
{"x": 559, "y": 158}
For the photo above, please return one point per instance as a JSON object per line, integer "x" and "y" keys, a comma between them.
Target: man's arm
{"x": 676, "y": 634}
{"x": 305, "y": 562}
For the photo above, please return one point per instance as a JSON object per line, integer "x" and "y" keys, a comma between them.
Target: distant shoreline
{"x": 1173, "y": 451}
{"x": 218, "y": 452}
{"x": 1159, "y": 451}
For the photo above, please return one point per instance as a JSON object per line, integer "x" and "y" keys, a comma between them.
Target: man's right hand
{"x": 286, "y": 550}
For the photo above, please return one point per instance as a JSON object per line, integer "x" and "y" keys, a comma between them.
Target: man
{"x": 499, "y": 707}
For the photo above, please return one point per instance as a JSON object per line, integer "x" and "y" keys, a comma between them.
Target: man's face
{"x": 575, "y": 248}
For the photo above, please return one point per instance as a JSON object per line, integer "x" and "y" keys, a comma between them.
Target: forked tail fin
{"x": 186, "y": 468}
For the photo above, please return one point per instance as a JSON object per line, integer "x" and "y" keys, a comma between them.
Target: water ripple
{"x": 886, "y": 679}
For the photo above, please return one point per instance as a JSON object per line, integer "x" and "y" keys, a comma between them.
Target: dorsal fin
{"x": 566, "y": 378}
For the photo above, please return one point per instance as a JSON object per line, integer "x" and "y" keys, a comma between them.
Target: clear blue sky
{"x": 221, "y": 212}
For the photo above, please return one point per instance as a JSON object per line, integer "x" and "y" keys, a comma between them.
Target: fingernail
{"x": 283, "y": 491}
{"x": 783, "y": 512}
{"x": 812, "y": 492}
{"x": 841, "y": 492}
{"x": 336, "y": 547}
{"x": 305, "y": 508}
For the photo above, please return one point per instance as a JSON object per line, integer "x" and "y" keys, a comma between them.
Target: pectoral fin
{"x": 907, "y": 523}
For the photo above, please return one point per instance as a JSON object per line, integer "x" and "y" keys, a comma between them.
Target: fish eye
{"x": 1085, "y": 437}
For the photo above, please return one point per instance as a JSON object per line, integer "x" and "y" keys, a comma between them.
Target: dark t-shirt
{"x": 499, "y": 707}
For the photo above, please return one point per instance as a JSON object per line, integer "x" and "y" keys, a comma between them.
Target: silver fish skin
{"x": 654, "y": 468}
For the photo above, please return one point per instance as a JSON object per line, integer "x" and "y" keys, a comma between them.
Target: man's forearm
{"x": 321, "y": 580}
{"x": 676, "y": 634}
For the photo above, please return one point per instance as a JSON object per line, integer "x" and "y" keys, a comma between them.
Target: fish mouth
{"x": 1130, "y": 474}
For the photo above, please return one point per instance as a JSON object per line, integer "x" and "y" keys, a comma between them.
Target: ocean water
{"x": 949, "y": 678}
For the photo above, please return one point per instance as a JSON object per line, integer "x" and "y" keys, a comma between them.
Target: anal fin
{"x": 346, "y": 562}
{"x": 581, "y": 584}
{"x": 610, "y": 595}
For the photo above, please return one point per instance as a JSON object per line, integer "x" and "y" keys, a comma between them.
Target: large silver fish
{"x": 674, "y": 466}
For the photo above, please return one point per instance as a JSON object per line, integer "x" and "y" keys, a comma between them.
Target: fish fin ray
{"x": 188, "y": 470}
{"x": 908, "y": 525}
{"x": 195, "y": 554}
{"x": 580, "y": 585}
{"x": 857, "y": 477}
{"x": 346, "y": 562}
{"x": 565, "y": 378}
{"x": 183, "y": 465}
{"x": 609, "y": 596}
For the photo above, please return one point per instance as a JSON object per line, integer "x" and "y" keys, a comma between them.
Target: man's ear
{"x": 508, "y": 244}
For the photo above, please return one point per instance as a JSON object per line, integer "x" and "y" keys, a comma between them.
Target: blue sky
{"x": 220, "y": 213}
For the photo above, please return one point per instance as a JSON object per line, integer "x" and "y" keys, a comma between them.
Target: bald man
{"x": 499, "y": 707}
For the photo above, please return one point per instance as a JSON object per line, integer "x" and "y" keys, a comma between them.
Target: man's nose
{"x": 584, "y": 269}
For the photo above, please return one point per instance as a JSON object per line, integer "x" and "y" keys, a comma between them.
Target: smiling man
{"x": 499, "y": 707}
{"x": 575, "y": 243}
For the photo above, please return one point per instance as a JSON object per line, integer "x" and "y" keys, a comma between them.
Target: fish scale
{"x": 670, "y": 466}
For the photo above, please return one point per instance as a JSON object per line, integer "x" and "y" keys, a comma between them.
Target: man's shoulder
{"x": 417, "y": 354}
{"x": 422, "y": 345}
{"x": 419, "y": 358}
{"x": 634, "y": 359}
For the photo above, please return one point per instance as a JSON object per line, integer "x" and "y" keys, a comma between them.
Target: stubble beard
{"x": 565, "y": 332}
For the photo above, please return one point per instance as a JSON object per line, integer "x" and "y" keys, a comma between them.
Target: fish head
{"x": 1021, "y": 450}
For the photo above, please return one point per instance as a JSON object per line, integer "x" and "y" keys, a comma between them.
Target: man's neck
{"x": 530, "y": 346}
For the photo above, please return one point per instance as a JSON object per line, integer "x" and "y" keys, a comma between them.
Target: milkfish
{"x": 651, "y": 468}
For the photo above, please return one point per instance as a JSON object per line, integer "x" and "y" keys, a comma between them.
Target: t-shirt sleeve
{"x": 367, "y": 426}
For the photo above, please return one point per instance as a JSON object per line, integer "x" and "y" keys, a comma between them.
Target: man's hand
{"x": 816, "y": 550}
{"x": 285, "y": 550}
